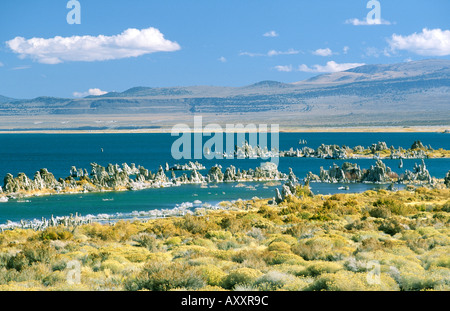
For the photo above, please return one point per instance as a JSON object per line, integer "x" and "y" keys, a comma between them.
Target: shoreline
{"x": 353, "y": 129}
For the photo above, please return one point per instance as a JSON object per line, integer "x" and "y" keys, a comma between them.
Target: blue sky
{"x": 122, "y": 44}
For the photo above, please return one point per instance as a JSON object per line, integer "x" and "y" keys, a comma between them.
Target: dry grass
{"x": 308, "y": 243}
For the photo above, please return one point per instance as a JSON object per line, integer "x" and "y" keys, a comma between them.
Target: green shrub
{"x": 395, "y": 206}
{"x": 212, "y": 274}
{"x": 323, "y": 248}
{"x": 240, "y": 276}
{"x": 59, "y": 233}
{"x": 196, "y": 225}
{"x": 280, "y": 247}
{"x": 173, "y": 241}
{"x": 203, "y": 242}
{"x": 319, "y": 268}
{"x": 219, "y": 235}
{"x": 17, "y": 262}
{"x": 147, "y": 241}
{"x": 112, "y": 265}
{"x": 273, "y": 280}
{"x": 380, "y": 212}
{"x": 39, "y": 253}
{"x": 391, "y": 226}
{"x": 349, "y": 281}
{"x": 226, "y": 245}
{"x": 162, "y": 276}
{"x": 303, "y": 191}
{"x": 54, "y": 278}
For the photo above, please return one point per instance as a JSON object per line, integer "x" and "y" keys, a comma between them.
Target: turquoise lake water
{"x": 58, "y": 152}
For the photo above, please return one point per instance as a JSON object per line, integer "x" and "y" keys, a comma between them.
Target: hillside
{"x": 404, "y": 94}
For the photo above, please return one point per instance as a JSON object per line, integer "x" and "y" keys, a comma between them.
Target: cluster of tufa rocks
{"x": 125, "y": 177}
{"x": 447, "y": 179}
{"x": 417, "y": 151}
{"x": 190, "y": 166}
{"x": 420, "y": 173}
{"x": 378, "y": 173}
{"x": 349, "y": 172}
{"x": 323, "y": 152}
{"x": 247, "y": 151}
{"x": 287, "y": 190}
{"x": 44, "y": 223}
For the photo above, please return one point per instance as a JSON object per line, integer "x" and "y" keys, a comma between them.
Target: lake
{"x": 28, "y": 153}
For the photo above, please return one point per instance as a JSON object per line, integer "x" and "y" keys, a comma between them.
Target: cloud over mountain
{"x": 90, "y": 92}
{"x": 331, "y": 66}
{"x": 430, "y": 42}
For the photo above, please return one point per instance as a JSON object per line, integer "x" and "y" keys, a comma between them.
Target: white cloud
{"x": 434, "y": 42}
{"x": 270, "y": 53}
{"x": 21, "y": 68}
{"x": 331, "y": 66}
{"x": 130, "y": 43}
{"x": 345, "y": 49}
{"x": 323, "y": 52}
{"x": 271, "y": 34}
{"x": 251, "y": 54}
{"x": 288, "y": 52}
{"x": 358, "y": 22}
{"x": 1, "y": 64}
{"x": 92, "y": 92}
{"x": 287, "y": 68}
{"x": 222, "y": 59}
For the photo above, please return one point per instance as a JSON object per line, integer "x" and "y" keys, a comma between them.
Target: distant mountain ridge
{"x": 403, "y": 93}
{"x": 385, "y": 72}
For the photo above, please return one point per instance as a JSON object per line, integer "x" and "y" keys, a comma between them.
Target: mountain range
{"x": 403, "y": 94}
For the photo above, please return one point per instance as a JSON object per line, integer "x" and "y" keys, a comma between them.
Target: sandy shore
{"x": 375, "y": 129}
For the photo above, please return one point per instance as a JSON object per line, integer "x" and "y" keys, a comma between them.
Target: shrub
{"x": 303, "y": 191}
{"x": 250, "y": 255}
{"x": 280, "y": 247}
{"x": 319, "y": 268}
{"x": 120, "y": 231}
{"x": 226, "y": 245}
{"x": 240, "y": 276}
{"x": 54, "y": 278}
{"x": 330, "y": 204}
{"x": 203, "y": 242}
{"x": 212, "y": 274}
{"x": 56, "y": 234}
{"x": 173, "y": 241}
{"x": 147, "y": 241}
{"x": 323, "y": 248}
{"x": 195, "y": 225}
{"x": 273, "y": 280}
{"x": 39, "y": 253}
{"x": 395, "y": 206}
{"x": 446, "y": 207}
{"x": 349, "y": 281}
{"x": 299, "y": 231}
{"x": 161, "y": 276}
{"x": 284, "y": 238}
{"x": 17, "y": 262}
{"x": 370, "y": 244}
{"x": 380, "y": 212}
{"x": 219, "y": 235}
{"x": 391, "y": 226}
{"x": 112, "y": 265}
{"x": 256, "y": 233}
{"x": 189, "y": 252}
{"x": 436, "y": 279}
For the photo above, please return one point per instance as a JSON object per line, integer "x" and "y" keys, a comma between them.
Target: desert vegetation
{"x": 308, "y": 242}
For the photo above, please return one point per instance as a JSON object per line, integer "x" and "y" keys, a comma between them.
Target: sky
{"x": 50, "y": 48}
